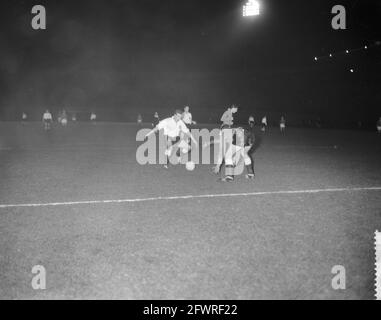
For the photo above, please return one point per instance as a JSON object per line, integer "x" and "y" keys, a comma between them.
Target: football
{"x": 190, "y": 165}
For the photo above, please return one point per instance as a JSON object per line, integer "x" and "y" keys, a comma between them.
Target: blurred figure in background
{"x": 74, "y": 117}
{"x": 251, "y": 122}
{"x": 379, "y": 125}
{"x": 64, "y": 118}
{"x": 227, "y": 118}
{"x": 187, "y": 117}
{"x": 93, "y": 117}
{"x": 156, "y": 119}
{"x": 24, "y": 117}
{"x": 264, "y": 124}
{"x": 47, "y": 119}
{"x": 59, "y": 116}
{"x": 282, "y": 124}
{"x": 139, "y": 119}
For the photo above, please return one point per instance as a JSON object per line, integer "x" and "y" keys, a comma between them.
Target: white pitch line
{"x": 260, "y": 193}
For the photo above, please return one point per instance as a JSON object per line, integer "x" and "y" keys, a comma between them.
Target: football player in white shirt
{"x": 187, "y": 117}
{"x": 47, "y": 120}
{"x": 173, "y": 127}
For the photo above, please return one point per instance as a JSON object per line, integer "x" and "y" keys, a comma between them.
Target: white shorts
{"x": 379, "y": 128}
{"x": 235, "y": 153}
{"x": 282, "y": 126}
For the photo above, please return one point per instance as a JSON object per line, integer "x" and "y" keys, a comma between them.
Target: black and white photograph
{"x": 190, "y": 150}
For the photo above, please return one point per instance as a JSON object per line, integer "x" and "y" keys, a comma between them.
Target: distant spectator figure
{"x": 282, "y": 124}
{"x": 59, "y": 117}
{"x": 47, "y": 120}
{"x": 156, "y": 119}
{"x": 187, "y": 117}
{"x": 74, "y": 117}
{"x": 140, "y": 119}
{"x": 264, "y": 124}
{"x": 64, "y": 118}
{"x": 24, "y": 117}
{"x": 227, "y": 118}
{"x": 379, "y": 125}
{"x": 93, "y": 117}
{"x": 251, "y": 122}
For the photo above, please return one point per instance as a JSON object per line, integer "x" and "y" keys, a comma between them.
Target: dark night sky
{"x": 123, "y": 57}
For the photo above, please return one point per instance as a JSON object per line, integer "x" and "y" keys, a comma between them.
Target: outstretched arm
{"x": 151, "y": 132}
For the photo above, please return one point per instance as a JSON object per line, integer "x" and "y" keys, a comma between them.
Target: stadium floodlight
{"x": 251, "y": 8}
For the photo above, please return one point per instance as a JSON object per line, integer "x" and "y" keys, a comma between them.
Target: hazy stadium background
{"x": 121, "y": 58}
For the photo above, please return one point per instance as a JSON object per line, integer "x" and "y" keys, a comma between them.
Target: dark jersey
{"x": 156, "y": 121}
{"x": 249, "y": 136}
{"x": 246, "y": 134}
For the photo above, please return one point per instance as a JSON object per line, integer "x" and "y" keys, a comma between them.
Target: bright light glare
{"x": 251, "y": 8}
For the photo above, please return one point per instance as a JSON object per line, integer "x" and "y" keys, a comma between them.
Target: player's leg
{"x": 249, "y": 163}
{"x": 171, "y": 149}
{"x": 168, "y": 150}
{"x": 220, "y": 159}
{"x": 232, "y": 156}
